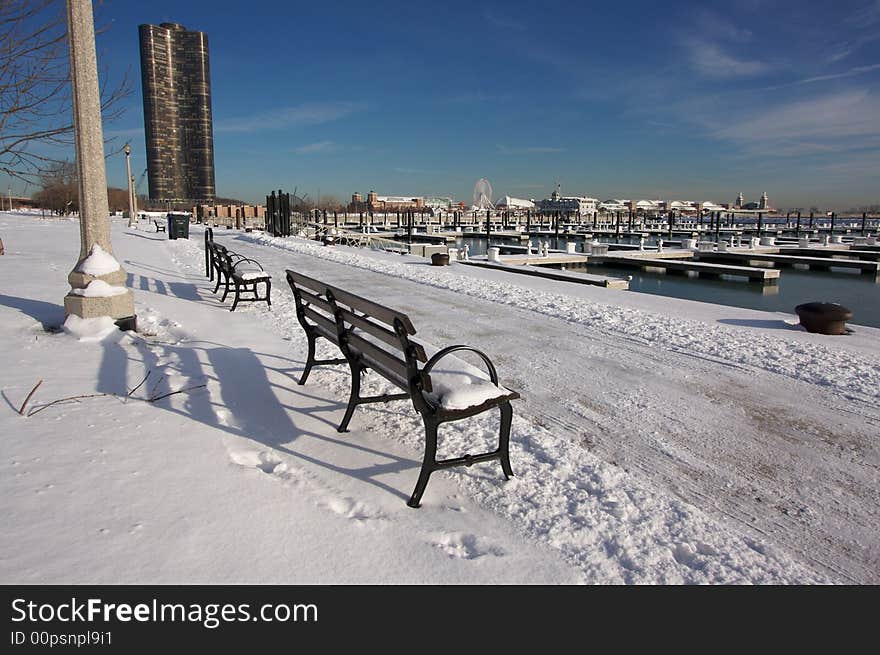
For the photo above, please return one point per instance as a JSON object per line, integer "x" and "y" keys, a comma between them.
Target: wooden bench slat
{"x": 372, "y": 309}
{"x": 380, "y": 332}
{"x": 312, "y": 299}
{"x": 385, "y": 361}
{"x": 327, "y": 325}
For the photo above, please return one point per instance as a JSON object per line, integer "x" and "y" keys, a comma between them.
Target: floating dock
{"x": 703, "y": 269}
{"x": 553, "y": 274}
{"x": 817, "y": 263}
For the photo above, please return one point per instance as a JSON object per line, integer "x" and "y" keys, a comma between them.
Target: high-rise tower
{"x": 177, "y": 113}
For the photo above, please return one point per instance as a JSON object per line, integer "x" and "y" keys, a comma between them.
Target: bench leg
{"x": 429, "y": 463}
{"x": 237, "y": 294}
{"x": 504, "y": 439}
{"x": 225, "y": 289}
{"x": 217, "y": 286}
{"x": 268, "y": 292}
{"x": 310, "y": 359}
{"x": 352, "y": 399}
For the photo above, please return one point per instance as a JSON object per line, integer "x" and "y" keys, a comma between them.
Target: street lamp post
{"x": 132, "y": 217}
{"x": 96, "y": 260}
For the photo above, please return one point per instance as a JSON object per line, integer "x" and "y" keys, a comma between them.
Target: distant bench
{"x": 235, "y": 271}
{"x": 160, "y": 227}
{"x": 375, "y": 337}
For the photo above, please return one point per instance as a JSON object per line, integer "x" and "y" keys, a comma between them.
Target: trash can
{"x": 178, "y": 226}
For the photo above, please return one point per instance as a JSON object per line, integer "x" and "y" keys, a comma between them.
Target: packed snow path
{"x": 648, "y": 447}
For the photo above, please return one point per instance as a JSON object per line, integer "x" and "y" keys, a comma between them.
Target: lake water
{"x": 860, "y": 293}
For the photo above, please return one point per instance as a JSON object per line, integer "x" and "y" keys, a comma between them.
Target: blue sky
{"x": 692, "y": 100}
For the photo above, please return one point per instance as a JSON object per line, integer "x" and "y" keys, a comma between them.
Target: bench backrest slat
{"x": 326, "y": 324}
{"x": 385, "y": 360}
{"x": 380, "y": 312}
{"x": 315, "y": 301}
{"x": 375, "y": 310}
{"x": 380, "y": 332}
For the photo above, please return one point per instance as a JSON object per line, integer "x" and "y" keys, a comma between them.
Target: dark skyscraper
{"x": 177, "y": 113}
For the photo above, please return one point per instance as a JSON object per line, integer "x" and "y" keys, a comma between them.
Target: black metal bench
{"x": 224, "y": 264}
{"x": 160, "y": 227}
{"x": 374, "y": 337}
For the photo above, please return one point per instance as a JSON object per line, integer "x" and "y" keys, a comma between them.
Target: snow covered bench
{"x": 442, "y": 387}
{"x": 239, "y": 272}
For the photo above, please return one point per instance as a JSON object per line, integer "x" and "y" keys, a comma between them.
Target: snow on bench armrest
{"x": 456, "y": 384}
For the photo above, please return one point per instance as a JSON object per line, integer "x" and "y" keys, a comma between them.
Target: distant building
{"x": 763, "y": 205}
{"x": 508, "y": 203}
{"x": 377, "y": 203}
{"x": 580, "y": 205}
{"x": 178, "y": 125}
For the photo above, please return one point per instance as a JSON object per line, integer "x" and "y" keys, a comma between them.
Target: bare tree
{"x": 59, "y": 190}
{"x": 35, "y": 100}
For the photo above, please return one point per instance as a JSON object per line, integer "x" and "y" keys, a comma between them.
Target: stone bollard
{"x": 768, "y": 241}
{"x": 836, "y": 239}
{"x": 493, "y": 254}
{"x": 689, "y": 244}
{"x": 722, "y": 246}
{"x": 804, "y": 242}
{"x": 753, "y": 242}
{"x": 570, "y": 247}
{"x": 453, "y": 254}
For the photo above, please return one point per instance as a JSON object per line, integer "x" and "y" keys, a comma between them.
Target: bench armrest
{"x": 490, "y": 368}
{"x": 246, "y": 259}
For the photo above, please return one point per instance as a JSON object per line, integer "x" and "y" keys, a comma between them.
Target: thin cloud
{"x": 840, "y": 118}
{"x": 287, "y": 117}
{"x": 709, "y": 60}
{"x": 504, "y": 23}
{"x": 316, "y": 148}
{"x": 867, "y": 15}
{"x": 858, "y": 70}
{"x": 527, "y": 150}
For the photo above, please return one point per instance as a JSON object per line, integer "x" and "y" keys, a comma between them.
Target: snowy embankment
{"x": 244, "y": 479}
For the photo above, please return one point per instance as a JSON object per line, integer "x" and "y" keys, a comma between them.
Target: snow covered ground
{"x": 658, "y": 440}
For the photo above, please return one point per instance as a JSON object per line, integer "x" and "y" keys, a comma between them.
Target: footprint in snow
{"x": 463, "y": 545}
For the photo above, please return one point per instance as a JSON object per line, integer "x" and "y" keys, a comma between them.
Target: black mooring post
{"x": 595, "y": 218}
{"x": 409, "y": 225}
{"x": 671, "y": 221}
{"x": 717, "y": 225}
{"x": 811, "y": 222}
{"x": 864, "y": 221}
{"x": 528, "y": 221}
{"x": 630, "y": 221}
{"x": 760, "y": 222}
{"x": 335, "y": 219}
{"x": 556, "y": 233}
{"x": 361, "y": 220}
{"x": 833, "y": 216}
{"x": 797, "y": 228}
{"x": 488, "y": 229}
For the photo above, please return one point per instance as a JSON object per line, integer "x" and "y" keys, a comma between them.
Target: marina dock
{"x": 553, "y": 274}
{"x": 776, "y": 259}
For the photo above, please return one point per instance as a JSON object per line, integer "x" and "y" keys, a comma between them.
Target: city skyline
{"x": 696, "y": 101}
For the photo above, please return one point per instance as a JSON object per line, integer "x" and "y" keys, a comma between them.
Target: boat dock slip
{"x": 553, "y": 274}
{"x": 703, "y": 269}
{"x": 852, "y": 253}
{"x": 555, "y": 258}
{"x": 820, "y": 263}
